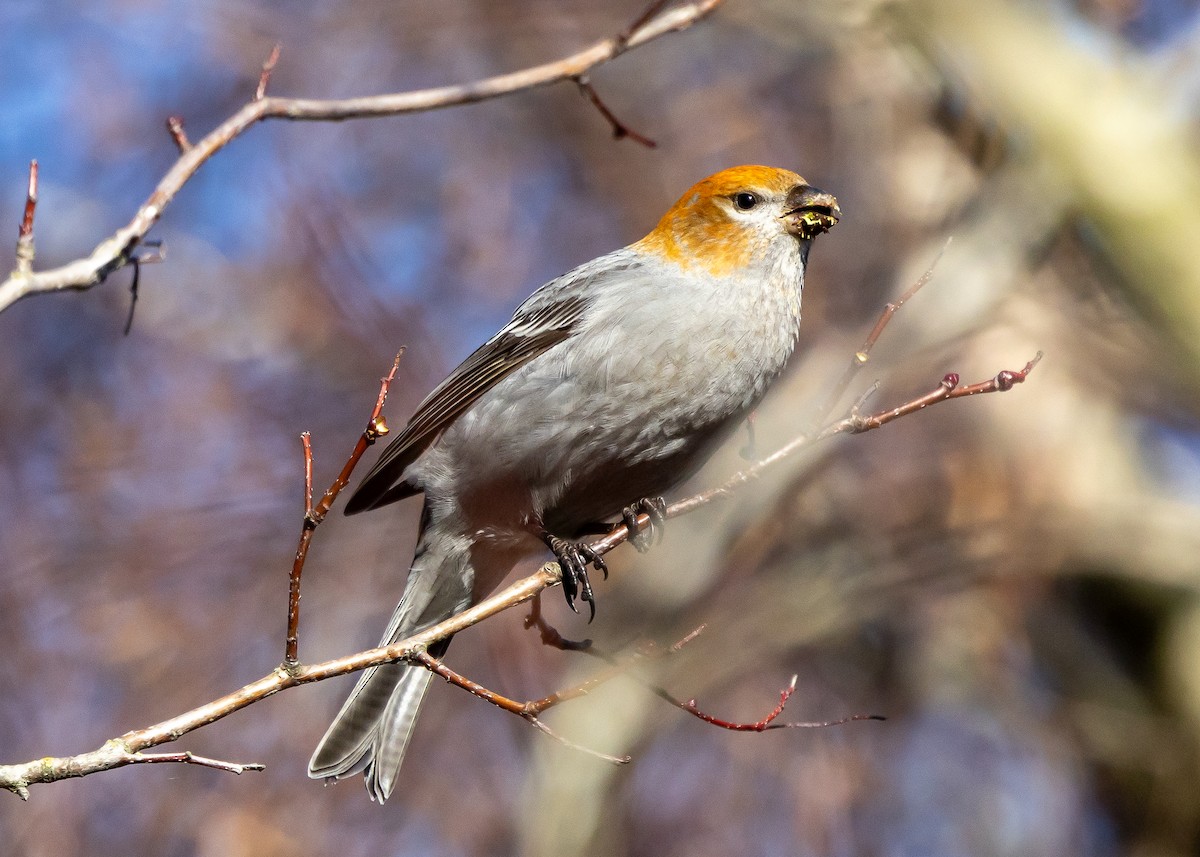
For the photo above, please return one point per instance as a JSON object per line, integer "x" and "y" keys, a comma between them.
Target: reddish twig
{"x": 532, "y": 709}
{"x": 824, "y": 724}
{"x": 31, "y": 194}
{"x": 376, "y": 428}
{"x": 756, "y": 726}
{"x": 306, "y": 442}
{"x": 948, "y": 389}
{"x": 527, "y": 711}
{"x": 619, "y": 128}
{"x": 767, "y": 722}
{"x": 178, "y": 134}
{"x": 25, "y": 250}
{"x": 549, "y": 634}
{"x": 265, "y": 78}
{"x": 114, "y": 252}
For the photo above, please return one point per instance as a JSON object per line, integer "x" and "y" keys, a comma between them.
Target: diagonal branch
{"x": 17, "y": 778}
{"x": 114, "y": 252}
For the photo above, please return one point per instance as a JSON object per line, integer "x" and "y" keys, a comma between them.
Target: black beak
{"x": 810, "y": 211}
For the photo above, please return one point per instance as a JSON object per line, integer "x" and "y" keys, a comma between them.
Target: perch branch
{"x": 17, "y": 778}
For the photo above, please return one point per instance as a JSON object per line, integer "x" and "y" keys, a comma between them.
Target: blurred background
{"x": 1011, "y": 580}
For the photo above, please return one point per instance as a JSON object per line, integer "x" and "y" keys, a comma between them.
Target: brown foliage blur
{"x": 1011, "y": 579}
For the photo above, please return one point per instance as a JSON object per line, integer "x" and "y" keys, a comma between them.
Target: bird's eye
{"x": 745, "y": 200}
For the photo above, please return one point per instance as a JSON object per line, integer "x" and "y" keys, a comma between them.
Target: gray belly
{"x": 622, "y": 411}
{"x": 581, "y": 449}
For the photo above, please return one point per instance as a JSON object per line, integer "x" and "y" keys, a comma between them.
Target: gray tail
{"x": 371, "y": 732}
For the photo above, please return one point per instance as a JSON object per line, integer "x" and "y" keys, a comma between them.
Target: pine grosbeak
{"x": 609, "y": 385}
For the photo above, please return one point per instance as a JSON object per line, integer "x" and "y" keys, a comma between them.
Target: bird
{"x": 609, "y": 386}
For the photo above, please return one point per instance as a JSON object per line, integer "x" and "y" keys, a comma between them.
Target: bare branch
{"x": 114, "y": 252}
{"x": 767, "y": 722}
{"x": 114, "y": 754}
{"x": 758, "y": 726}
{"x": 151, "y": 252}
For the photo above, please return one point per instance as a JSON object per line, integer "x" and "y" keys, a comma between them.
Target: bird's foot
{"x": 656, "y": 509}
{"x": 574, "y": 558}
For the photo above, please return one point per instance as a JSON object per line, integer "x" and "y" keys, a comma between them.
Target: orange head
{"x": 732, "y": 219}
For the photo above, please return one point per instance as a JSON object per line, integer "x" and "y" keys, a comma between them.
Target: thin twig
{"x": 767, "y": 722}
{"x": 824, "y": 724}
{"x": 566, "y": 742}
{"x": 376, "y": 428}
{"x": 134, "y": 284}
{"x": 757, "y": 726}
{"x": 948, "y": 389}
{"x": 151, "y": 252}
{"x": 25, "y": 250}
{"x": 115, "y": 753}
{"x": 190, "y": 758}
{"x": 268, "y": 66}
{"x": 114, "y": 252}
{"x": 306, "y": 442}
{"x": 619, "y": 129}
{"x": 178, "y": 134}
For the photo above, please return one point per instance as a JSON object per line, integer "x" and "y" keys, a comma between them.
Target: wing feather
{"x": 542, "y": 322}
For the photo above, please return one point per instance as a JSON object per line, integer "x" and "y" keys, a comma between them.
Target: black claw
{"x": 573, "y": 559}
{"x": 640, "y": 540}
{"x": 656, "y": 509}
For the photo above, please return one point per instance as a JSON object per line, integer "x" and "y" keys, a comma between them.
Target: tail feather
{"x": 395, "y": 730}
{"x": 373, "y": 728}
{"x": 370, "y": 734}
